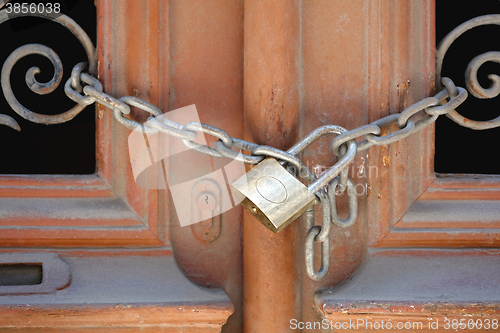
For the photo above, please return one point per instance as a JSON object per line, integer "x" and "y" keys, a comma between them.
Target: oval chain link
{"x": 352, "y": 200}
{"x": 320, "y": 234}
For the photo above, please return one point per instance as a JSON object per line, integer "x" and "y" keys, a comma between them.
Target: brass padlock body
{"x": 273, "y": 195}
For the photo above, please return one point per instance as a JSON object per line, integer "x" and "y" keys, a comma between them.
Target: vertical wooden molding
{"x": 429, "y": 40}
{"x": 404, "y": 47}
{"x": 164, "y": 208}
{"x": 104, "y": 119}
{"x": 271, "y": 103}
{"x": 379, "y": 70}
{"x": 400, "y": 87}
{"x": 206, "y": 69}
{"x": 336, "y": 64}
{"x": 128, "y": 66}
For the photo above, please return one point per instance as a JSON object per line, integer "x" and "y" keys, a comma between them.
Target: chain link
{"x": 332, "y": 182}
{"x": 208, "y": 129}
{"x": 320, "y": 234}
{"x": 352, "y": 199}
{"x": 238, "y": 156}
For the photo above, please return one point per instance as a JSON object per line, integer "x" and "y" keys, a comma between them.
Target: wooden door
{"x": 269, "y": 72}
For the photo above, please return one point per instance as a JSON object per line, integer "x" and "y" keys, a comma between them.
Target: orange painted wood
{"x": 47, "y": 230}
{"x": 131, "y": 75}
{"x": 204, "y": 66}
{"x": 268, "y": 71}
{"x": 104, "y": 118}
{"x": 50, "y": 180}
{"x": 379, "y": 80}
{"x": 99, "y": 237}
{"x": 54, "y": 192}
{"x": 466, "y": 182}
{"x": 334, "y": 82}
{"x": 126, "y": 317}
{"x": 122, "y": 73}
{"x": 452, "y": 224}
{"x": 426, "y": 286}
{"x": 417, "y": 315}
{"x": 430, "y": 252}
{"x": 98, "y": 252}
{"x": 478, "y": 187}
{"x": 48, "y": 221}
{"x": 271, "y": 280}
{"x": 439, "y": 238}
{"x": 461, "y": 194}
{"x": 409, "y": 171}
{"x": 157, "y": 329}
{"x": 164, "y": 105}
{"x": 399, "y": 89}
{"x": 434, "y": 231}
{"x": 404, "y": 169}
{"x": 53, "y": 186}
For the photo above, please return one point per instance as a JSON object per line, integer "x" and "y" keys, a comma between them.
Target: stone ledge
{"x": 112, "y": 292}
{"x": 411, "y": 286}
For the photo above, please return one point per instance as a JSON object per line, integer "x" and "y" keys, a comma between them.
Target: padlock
{"x": 273, "y": 195}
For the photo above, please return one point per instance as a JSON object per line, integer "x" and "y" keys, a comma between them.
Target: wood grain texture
{"x": 125, "y": 317}
{"x": 454, "y": 211}
{"x": 271, "y": 116}
{"x": 416, "y": 287}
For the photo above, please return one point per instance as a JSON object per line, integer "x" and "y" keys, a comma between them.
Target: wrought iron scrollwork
{"x": 471, "y": 80}
{"x": 32, "y": 83}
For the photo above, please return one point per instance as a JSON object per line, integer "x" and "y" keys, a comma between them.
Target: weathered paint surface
{"x": 269, "y": 72}
{"x": 271, "y": 282}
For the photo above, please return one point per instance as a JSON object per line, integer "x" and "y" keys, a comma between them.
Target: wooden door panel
{"x": 105, "y": 209}
{"x": 67, "y": 211}
{"x": 406, "y": 169}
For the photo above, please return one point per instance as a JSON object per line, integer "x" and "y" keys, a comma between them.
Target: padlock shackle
{"x": 285, "y": 157}
{"x": 335, "y": 169}
{"x": 313, "y": 136}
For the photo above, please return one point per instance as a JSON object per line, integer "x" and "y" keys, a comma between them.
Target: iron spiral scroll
{"x": 471, "y": 80}
{"x": 30, "y": 79}
{"x": 472, "y": 83}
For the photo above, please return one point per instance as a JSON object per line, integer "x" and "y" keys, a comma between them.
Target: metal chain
{"x": 320, "y": 234}
{"x": 85, "y": 89}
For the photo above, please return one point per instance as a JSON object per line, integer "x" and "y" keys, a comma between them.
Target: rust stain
{"x": 276, "y": 129}
{"x": 432, "y": 83}
{"x": 403, "y": 90}
{"x": 476, "y": 87}
{"x": 386, "y": 160}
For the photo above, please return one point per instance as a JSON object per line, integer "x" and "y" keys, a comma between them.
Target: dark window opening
{"x": 20, "y": 274}
{"x": 459, "y": 149}
{"x": 67, "y": 148}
